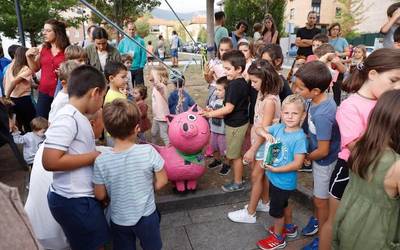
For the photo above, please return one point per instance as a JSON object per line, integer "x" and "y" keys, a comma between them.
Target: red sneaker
{"x": 272, "y": 242}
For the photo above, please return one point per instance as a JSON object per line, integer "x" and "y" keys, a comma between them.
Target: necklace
{"x": 366, "y": 97}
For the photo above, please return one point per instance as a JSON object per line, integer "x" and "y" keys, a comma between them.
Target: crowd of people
{"x": 334, "y": 114}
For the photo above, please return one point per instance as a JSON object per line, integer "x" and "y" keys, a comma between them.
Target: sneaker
{"x": 225, "y": 169}
{"x": 232, "y": 187}
{"x": 313, "y": 245}
{"x": 261, "y": 207}
{"x": 290, "y": 230}
{"x": 311, "y": 228}
{"x": 272, "y": 242}
{"x": 306, "y": 168}
{"x": 242, "y": 216}
{"x": 214, "y": 164}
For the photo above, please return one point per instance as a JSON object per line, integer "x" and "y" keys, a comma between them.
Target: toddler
{"x": 140, "y": 95}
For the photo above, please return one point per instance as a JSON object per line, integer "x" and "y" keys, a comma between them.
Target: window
{"x": 291, "y": 15}
{"x": 338, "y": 12}
{"x": 316, "y": 6}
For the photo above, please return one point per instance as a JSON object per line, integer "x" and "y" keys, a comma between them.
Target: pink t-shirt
{"x": 219, "y": 71}
{"x": 159, "y": 102}
{"x": 259, "y": 113}
{"x": 352, "y": 117}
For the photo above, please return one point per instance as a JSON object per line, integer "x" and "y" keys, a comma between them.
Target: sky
{"x": 185, "y": 5}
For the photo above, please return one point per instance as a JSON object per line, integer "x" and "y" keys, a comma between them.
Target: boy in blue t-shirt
{"x": 312, "y": 80}
{"x": 124, "y": 178}
{"x": 179, "y": 100}
{"x": 282, "y": 174}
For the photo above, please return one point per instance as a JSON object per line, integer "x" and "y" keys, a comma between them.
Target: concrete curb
{"x": 216, "y": 197}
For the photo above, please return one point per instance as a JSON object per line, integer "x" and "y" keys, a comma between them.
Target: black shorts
{"x": 339, "y": 179}
{"x": 279, "y": 200}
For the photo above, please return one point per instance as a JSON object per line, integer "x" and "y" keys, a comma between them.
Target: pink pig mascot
{"x": 188, "y": 134}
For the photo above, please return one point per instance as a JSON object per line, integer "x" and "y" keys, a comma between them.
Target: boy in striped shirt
{"x": 124, "y": 179}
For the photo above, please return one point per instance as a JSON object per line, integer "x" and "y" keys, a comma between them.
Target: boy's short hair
{"x": 223, "y": 81}
{"x": 83, "y": 79}
{"x": 219, "y": 15}
{"x": 149, "y": 42}
{"x": 396, "y": 35}
{"x": 65, "y": 69}
{"x": 295, "y": 98}
{"x": 39, "y": 123}
{"x": 321, "y": 37}
{"x": 73, "y": 52}
{"x": 126, "y": 57}
{"x": 235, "y": 58}
{"x": 392, "y": 8}
{"x": 179, "y": 82}
{"x": 257, "y": 27}
{"x": 324, "y": 49}
{"x": 120, "y": 118}
{"x": 315, "y": 75}
{"x": 112, "y": 68}
{"x": 142, "y": 91}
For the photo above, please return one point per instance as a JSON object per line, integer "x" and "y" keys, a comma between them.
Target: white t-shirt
{"x": 71, "y": 132}
{"x": 48, "y": 232}
{"x": 103, "y": 58}
{"x": 174, "y": 42}
{"x": 60, "y": 101}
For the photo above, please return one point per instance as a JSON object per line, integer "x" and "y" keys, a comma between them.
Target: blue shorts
{"x": 174, "y": 53}
{"x": 82, "y": 220}
{"x": 147, "y": 229}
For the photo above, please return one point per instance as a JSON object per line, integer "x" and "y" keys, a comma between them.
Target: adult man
{"x": 305, "y": 35}
{"x": 220, "y": 30}
{"x": 174, "y": 48}
{"x": 89, "y": 40}
{"x": 127, "y": 46}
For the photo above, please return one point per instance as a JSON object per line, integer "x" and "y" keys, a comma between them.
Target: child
{"x": 371, "y": 196}
{"x": 235, "y": 115}
{"x": 217, "y": 140}
{"x": 282, "y": 174}
{"x": 324, "y": 137}
{"x": 31, "y": 140}
{"x": 69, "y": 151}
{"x": 297, "y": 63}
{"x": 179, "y": 100}
{"x": 62, "y": 97}
{"x": 257, "y": 27}
{"x": 317, "y": 41}
{"x": 126, "y": 59}
{"x": 393, "y": 13}
{"x": 117, "y": 76}
{"x": 273, "y": 54}
{"x": 18, "y": 86}
{"x": 359, "y": 55}
{"x": 75, "y": 53}
{"x": 396, "y": 38}
{"x": 378, "y": 73}
{"x": 247, "y": 50}
{"x": 267, "y": 82}
{"x": 158, "y": 78}
{"x": 140, "y": 95}
{"x": 124, "y": 179}
{"x": 48, "y": 232}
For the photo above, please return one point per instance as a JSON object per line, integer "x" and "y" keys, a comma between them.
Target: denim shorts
{"x": 174, "y": 53}
{"x": 82, "y": 220}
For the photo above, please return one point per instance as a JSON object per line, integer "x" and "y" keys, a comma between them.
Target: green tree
{"x": 34, "y": 15}
{"x": 351, "y": 15}
{"x": 253, "y": 11}
{"x": 143, "y": 26}
{"x": 202, "y": 37}
{"x": 122, "y": 10}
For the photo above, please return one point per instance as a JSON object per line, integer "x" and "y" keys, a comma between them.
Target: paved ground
{"x": 209, "y": 228}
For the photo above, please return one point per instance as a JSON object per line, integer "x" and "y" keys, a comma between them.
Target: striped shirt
{"x": 128, "y": 178}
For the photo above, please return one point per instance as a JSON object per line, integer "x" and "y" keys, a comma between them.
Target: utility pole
{"x": 210, "y": 29}
{"x": 20, "y": 25}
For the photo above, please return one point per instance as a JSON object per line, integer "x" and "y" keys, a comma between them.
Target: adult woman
{"x": 18, "y": 84}
{"x": 48, "y": 58}
{"x": 101, "y": 52}
{"x": 239, "y": 33}
{"x": 269, "y": 34}
{"x": 339, "y": 43}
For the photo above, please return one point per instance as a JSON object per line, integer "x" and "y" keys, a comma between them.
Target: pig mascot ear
{"x": 194, "y": 108}
{"x": 169, "y": 118}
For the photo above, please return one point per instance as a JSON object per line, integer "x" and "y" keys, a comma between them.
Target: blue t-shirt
{"x": 322, "y": 126}
{"x": 126, "y": 46}
{"x": 174, "y": 98}
{"x": 339, "y": 44}
{"x": 128, "y": 177}
{"x": 292, "y": 143}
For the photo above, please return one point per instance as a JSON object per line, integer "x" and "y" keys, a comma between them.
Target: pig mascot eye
{"x": 192, "y": 117}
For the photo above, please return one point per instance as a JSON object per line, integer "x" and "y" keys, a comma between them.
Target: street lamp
{"x": 82, "y": 12}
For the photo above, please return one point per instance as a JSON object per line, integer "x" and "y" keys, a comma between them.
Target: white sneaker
{"x": 242, "y": 216}
{"x": 261, "y": 207}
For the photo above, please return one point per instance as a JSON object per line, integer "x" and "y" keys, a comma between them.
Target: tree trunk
{"x": 210, "y": 28}
{"x": 32, "y": 36}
